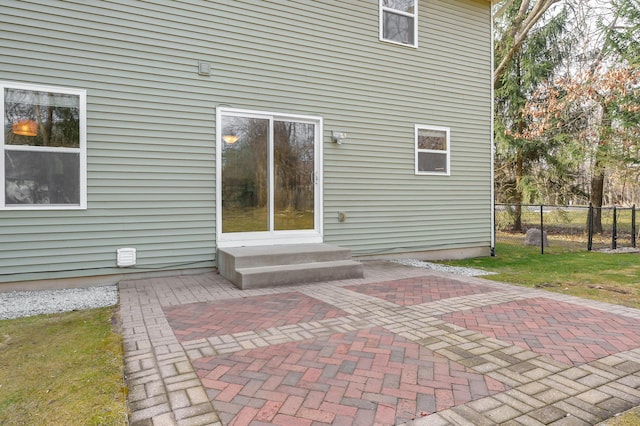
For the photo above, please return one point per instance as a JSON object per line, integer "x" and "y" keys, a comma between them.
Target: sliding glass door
{"x": 268, "y": 178}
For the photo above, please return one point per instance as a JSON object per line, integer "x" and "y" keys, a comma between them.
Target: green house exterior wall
{"x": 151, "y": 122}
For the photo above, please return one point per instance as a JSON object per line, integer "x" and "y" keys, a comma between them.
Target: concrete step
{"x": 266, "y": 266}
{"x": 298, "y": 273}
{"x": 284, "y": 254}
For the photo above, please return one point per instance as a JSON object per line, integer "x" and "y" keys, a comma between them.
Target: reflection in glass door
{"x": 245, "y": 174}
{"x": 294, "y": 175}
{"x": 268, "y": 176}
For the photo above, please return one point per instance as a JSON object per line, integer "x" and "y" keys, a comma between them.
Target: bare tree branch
{"x": 503, "y": 8}
{"x": 522, "y": 25}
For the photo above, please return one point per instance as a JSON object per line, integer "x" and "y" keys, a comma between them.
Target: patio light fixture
{"x": 338, "y": 137}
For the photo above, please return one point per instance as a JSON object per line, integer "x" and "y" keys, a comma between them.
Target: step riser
{"x": 317, "y": 274}
{"x": 269, "y": 266}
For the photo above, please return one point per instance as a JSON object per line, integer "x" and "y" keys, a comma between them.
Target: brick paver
{"x": 419, "y": 290}
{"x": 400, "y": 345}
{"x": 200, "y": 320}
{"x": 566, "y": 332}
{"x": 343, "y": 375}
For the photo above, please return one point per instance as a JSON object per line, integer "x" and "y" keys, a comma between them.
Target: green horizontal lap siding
{"x": 151, "y": 143}
{"x": 371, "y": 177}
{"x": 151, "y": 120}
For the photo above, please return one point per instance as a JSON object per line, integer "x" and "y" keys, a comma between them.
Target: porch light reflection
{"x": 25, "y": 128}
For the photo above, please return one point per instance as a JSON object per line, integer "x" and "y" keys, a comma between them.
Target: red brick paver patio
{"x": 568, "y": 333}
{"x": 366, "y": 377}
{"x": 419, "y": 290}
{"x": 401, "y": 346}
{"x": 197, "y": 320}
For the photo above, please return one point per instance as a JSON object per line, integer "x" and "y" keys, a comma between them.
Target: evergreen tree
{"x": 519, "y": 74}
{"x": 623, "y": 39}
{"x": 594, "y": 107}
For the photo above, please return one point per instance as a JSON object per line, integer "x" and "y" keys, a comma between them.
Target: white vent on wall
{"x": 126, "y": 257}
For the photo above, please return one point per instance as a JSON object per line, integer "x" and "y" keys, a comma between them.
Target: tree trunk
{"x": 597, "y": 179}
{"x": 596, "y": 197}
{"x": 517, "y": 219}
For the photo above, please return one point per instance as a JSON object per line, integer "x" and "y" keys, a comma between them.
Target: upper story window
{"x": 43, "y": 143}
{"x": 399, "y": 21}
{"x": 432, "y": 150}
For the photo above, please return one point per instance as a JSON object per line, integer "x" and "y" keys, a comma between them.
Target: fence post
{"x": 541, "y": 228}
{"x": 614, "y": 231}
{"x": 495, "y": 228}
{"x": 633, "y": 226}
{"x": 590, "y": 227}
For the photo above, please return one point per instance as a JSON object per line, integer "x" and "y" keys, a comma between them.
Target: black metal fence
{"x": 566, "y": 228}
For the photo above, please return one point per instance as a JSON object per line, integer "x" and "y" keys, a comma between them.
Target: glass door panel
{"x": 245, "y": 174}
{"x": 268, "y": 171}
{"x": 294, "y": 175}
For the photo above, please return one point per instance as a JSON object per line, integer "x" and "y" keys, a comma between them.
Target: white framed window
{"x": 43, "y": 143}
{"x": 399, "y": 21}
{"x": 432, "y": 146}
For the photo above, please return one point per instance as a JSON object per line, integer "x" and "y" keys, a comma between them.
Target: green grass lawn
{"x": 629, "y": 418}
{"x": 607, "y": 277}
{"x": 62, "y": 369}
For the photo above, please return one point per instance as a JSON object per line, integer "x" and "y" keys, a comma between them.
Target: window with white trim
{"x": 399, "y": 21}
{"x": 432, "y": 146}
{"x": 43, "y": 143}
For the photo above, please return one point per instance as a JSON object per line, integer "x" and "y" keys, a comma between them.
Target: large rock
{"x": 533, "y": 236}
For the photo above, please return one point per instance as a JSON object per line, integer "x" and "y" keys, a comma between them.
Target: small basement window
{"x": 43, "y": 161}
{"x": 432, "y": 146}
{"x": 399, "y": 21}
